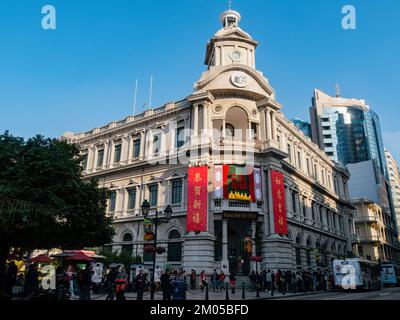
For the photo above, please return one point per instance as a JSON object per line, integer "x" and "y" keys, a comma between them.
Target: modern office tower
{"x": 347, "y": 129}
{"x": 394, "y": 179}
{"x": 303, "y": 126}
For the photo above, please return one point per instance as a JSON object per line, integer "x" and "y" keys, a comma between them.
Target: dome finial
{"x": 230, "y": 18}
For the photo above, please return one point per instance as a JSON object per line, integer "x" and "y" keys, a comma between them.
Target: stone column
{"x": 142, "y": 154}
{"x": 253, "y": 266}
{"x": 196, "y": 121}
{"x": 106, "y": 153}
{"x": 111, "y": 152}
{"x": 269, "y": 131}
{"x": 225, "y": 258}
{"x": 273, "y": 128}
{"x": 124, "y": 149}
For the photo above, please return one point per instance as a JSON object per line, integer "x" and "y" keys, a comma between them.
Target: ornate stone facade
{"x": 231, "y": 118}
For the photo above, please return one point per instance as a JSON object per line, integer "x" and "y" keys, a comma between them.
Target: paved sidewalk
{"x": 199, "y": 295}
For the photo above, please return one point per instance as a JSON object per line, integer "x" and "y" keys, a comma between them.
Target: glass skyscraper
{"x": 303, "y": 126}
{"x": 347, "y": 129}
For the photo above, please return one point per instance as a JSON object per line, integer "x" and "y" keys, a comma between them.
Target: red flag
{"x": 278, "y": 197}
{"x": 197, "y": 199}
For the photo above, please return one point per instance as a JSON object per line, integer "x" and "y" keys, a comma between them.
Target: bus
{"x": 390, "y": 275}
{"x": 357, "y": 274}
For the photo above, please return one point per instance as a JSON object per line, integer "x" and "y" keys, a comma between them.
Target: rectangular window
{"x": 253, "y": 131}
{"x": 308, "y": 167}
{"x": 289, "y": 150}
{"x": 294, "y": 206}
{"x": 136, "y": 148}
{"x": 100, "y": 157}
{"x": 156, "y": 144}
{"x": 153, "y": 190}
{"x": 304, "y": 209}
{"x": 113, "y": 196}
{"x": 132, "y": 199}
{"x": 85, "y": 161}
{"x": 117, "y": 153}
{"x": 308, "y": 256}
{"x": 177, "y": 192}
{"x": 298, "y": 256}
{"x": 299, "y": 159}
{"x": 180, "y": 138}
{"x": 174, "y": 252}
{"x": 313, "y": 211}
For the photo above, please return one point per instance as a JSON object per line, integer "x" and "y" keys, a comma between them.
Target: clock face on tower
{"x": 235, "y": 55}
{"x": 240, "y": 79}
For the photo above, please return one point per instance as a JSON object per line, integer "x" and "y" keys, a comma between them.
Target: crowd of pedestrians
{"x": 75, "y": 283}
{"x": 291, "y": 281}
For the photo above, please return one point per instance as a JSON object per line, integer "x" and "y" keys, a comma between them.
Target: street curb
{"x": 298, "y": 295}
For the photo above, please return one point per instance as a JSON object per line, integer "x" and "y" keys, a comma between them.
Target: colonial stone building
{"x": 232, "y": 118}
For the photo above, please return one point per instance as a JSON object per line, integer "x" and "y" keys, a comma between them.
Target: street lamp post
{"x": 156, "y": 221}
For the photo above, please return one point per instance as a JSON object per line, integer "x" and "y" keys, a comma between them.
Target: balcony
{"x": 221, "y": 205}
{"x": 355, "y": 238}
{"x": 370, "y": 219}
{"x": 369, "y": 239}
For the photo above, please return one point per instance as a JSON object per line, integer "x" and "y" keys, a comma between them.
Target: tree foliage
{"x": 44, "y": 203}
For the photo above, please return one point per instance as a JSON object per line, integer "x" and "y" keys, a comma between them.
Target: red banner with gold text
{"x": 197, "y": 199}
{"x": 278, "y": 198}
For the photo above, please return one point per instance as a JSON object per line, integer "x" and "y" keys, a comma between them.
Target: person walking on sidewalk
{"x": 268, "y": 280}
{"x": 273, "y": 282}
{"x": 11, "y": 277}
{"x": 221, "y": 281}
{"x": 193, "y": 280}
{"x": 232, "y": 281}
{"x": 110, "y": 283}
{"x": 203, "y": 279}
{"x": 140, "y": 284}
{"x": 166, "y": 285}
{"x": 121, "y": 283}
{"x": 253, "y": 279}
{"x": 85, "y": 282}
{"x": 215, "y": 280}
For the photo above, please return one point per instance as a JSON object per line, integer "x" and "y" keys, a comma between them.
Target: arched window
{"x": 229, "y": 131}
{"x": 127, "y": 246}
{"x": 298, "y": 251}
{"x": 174, "y": 246}
{"x": 340, "y": 253}
{"x": 308, "y": 252}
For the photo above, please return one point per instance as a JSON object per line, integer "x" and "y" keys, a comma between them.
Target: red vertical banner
{"x": 278, "y": 198}
{"x": 197, "y": 199}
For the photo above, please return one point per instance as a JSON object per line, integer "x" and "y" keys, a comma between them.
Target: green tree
{"x": 44, "y": 203}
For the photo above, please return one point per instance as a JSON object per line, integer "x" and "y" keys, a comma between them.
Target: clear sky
{"x": 81, "y": 75}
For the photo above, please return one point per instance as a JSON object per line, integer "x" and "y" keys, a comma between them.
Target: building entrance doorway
{"x": 239, "y": 259}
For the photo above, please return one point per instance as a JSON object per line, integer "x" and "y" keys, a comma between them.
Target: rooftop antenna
{"x": 230, "y": 4}
{"x": 135, "y": 99}
{"x": 151, "y": 91}
{"x": 337, "y": 90}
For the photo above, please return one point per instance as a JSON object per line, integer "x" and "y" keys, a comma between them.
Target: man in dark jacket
{"x": 166, "y": 285}
{"x": 32, "y": 281}
{"x": 111, "y": 283}
{"x": 85, "y": 282}
{"x": 140, "y": 284}
{"x": 11, "y": 277}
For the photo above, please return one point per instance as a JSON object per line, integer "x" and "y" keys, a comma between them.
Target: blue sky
{"x": 81, "y": 75}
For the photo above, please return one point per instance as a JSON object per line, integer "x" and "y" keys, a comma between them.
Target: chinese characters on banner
{"x": 239, "y": 183}
{"x": 278, "y": 197}
{"x": 197, "y": 199}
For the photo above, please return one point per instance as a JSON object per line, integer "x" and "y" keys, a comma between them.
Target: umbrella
{"x": 41, "y": 258}
{"x": 80, "y": 257}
